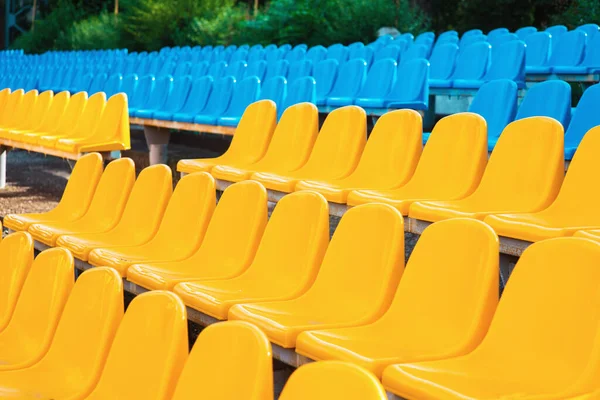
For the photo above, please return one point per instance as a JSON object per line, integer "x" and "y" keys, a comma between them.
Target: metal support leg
{"x": 158, "y": 142}
{"x": 507, "y": 264}
{"x": 2, "y": 168}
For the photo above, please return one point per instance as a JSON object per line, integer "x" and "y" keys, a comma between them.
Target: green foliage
{"x": 579, "y": 12}
{"x": 223, "y": 28}
{"x": 97, "y": 32}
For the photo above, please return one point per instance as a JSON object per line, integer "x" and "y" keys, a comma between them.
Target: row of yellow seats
{"x": 73, "y": 124}
{"x": 351, "y": 299}
{"x": 65, "y": 340}
{"x": 521, "y": 184}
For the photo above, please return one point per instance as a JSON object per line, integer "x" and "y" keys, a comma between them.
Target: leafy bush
{"x": 579, "y": 12}
{"x": 97, "y": 32}
{"x": 222, "y": 28}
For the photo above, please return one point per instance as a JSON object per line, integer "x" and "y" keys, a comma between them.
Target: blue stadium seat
{"x": 380, "y": 80}
{"x": 350, "y": 80}
{"x": 97, "y": 84}
{"x": 302, "y": 90}
{"x": 167, "y": 68}
{"x": 525, "y": 31}
{"x": 199, "y": 70}
{"x": 497, "y": 32}
{"x": 385, "y": 39}
{"x": 297, "y": 54}
{"x": 256, "y": 54}
{"x": 144, "y": 88}
{"x": 337, "y": 52}
{"x": 299, "y": 69}
{"x": 157, "y": 98}
{"x": 271, "y": 57}
{"x": 218, "y": 101}
{"x": 539, "y": 46}
{"x": 409, "y": 37}
{"x": 469, "y": 40}
{"x": 585, "y": 117}
{"x": 365, "y": 52}
{"x": 129, "y": 85}
{"x": 301, "y": 46}
{"x": 411, "y": 89}
{"x": 217, "y": 69}
{"x": 403, "y": 44}
{"x": 472, "y": 65}
{"x": 316, "y": 54}
{"x": 280, "y": 68}
{"x": 155, "y": 65}
{"x": 257, "y": 68}
{"x": 471, "y": 32}
{"x": 568, "y": 53}
{"x": 547, "y": 99}
{"x": 443, "y": 61}
{"x": 239, "y": 55}
{"x": 113, "y": 85}
{"x": 236, "y": 69}
{"x": 274, "y": 89}
{"x": 196, "y": 101}
{"x": 591, "y": 61}
{"x": 392, "y": 52}
{"x": 65, "y": 80}
{"x": 496, "y": 101}
{"x": 207, "y": 53}
{"x": 557, "y": 30}
{"x": 590, "y": 29}
{"x": 81, "y": 84}
{"x": 245, "y": 93}
{"x": 414, "y": 52}
{"x": 325, "y": 74}
{"x": 447, "y": 39}
{"x": 182, "y": 69}
{"x": 429, "y": 36}
{"x": 501, "y": 39}
{"x": 176, "y": 99}
{"x": 286, "y": 48}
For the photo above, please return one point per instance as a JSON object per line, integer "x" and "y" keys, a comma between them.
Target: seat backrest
{"x": 465, "y": 41}
{"x": 220, "y": 96}
{"x": 568, "y": 49}
{"x": 22, "y": 112}
{"x": 296, "y": 54}
{"x": 363, "y": 263}
{"x": 473, "y": 61}
{"x": 182, "y": 69}
{"x": 233, "y": 351}
{"x": 274, "y": 89}
{"x": 256, "y": 54}
{"x": 73, "y": 112}
{"x": 380, "y": 79}
{"x": 538, "y": 48}
{"x": 454, "y": 157}
{"x": 337, "y": 52}
{"x": 94, "y": 311}
{"x": 526, "y": 168}
{"x": 113, "y": 84}
{"x": 239, "y": 55}
{"x": 316, "y": 54}
{"x": 443, "y": 61}
{"x": 412, "y": 84}
{"x": 113, "y": 126}
{"x": 351, "y": 78}
{"x": 16, "y": 253}
{"x": 299, "y": 69}
{"x": 300, "y": 91}
{"x": 339, "y": 144}
{"x": 199, "y": 93}
{"x": 557, "y": 30}
{"x": 325, "y": 74}
{"x": 496, "y": 102}
{"x": 199, "y": 70}
{"x": 54, "y": 113}
{"x": 585, "y": 116}
{"x": 592, "y": 56}
{"x": 256, "y": 68}
{"x": 246, "y": 92}
{"x": 146, "y": 204}
{"x": 525, "y": 32}
{"x": 279, "y": 68}
{"x": 414, "y": 52}
{"x": 235, "y": 229}
{"x": 591, "y": 30}
{"x": 236, "y": 69}
{"x": 501, "y": 39}
{"x": 179, "y": 95}
{"x": 498, "y": 32}
{"x": 328, "y": 379}
{"x": 90, "y": 116}
{"x": 547, "y": 99}
{"x": 39, "y": 110}
{"x": 98, "y": 83}
{"x": 144, "y": 88}
{"x": 508, "y": 62}
{"x": 365, "y": 53}
{"x": 41, "y": 302}
{"x": 154, "y": 331}
{"x": 129, "y": 85}
{"x": 161, "y": 91}
{"x": 392, "y": 150}
{"x": 392, "y": 52}
{"x": 217, "y": 69}
{"x": 13, "y": 102}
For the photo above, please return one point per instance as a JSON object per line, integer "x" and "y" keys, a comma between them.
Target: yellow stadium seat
{"x": 328, "y": 380}
{"x": 86, "y": 122}
{"x": 180, "y": 232}
{"x": 29, "y": 333}
{"x": 105, "y": 210}
{"x": 289, "y": 149}
{"x": 575, "y": 208}
{"x": 50, "y": 121}
{"x": 75, "y": 199}
{"x": 355, "y": 285}
{"x": 16, "y": 257}
{"x": 73, "y": 364}
{"x": 249, "y": 143}
{"x": 69, "y": 119}
{"x": 540, "y": 340}
{"x": 335, "y": 155}
{"x": 110, "y": 130}
{"x": 449, "y": 168}
{"x": 230, "y": 360}
{"x": 228, "y": 247}
{"x": 21, "y": 112}
{"x": 4, "y": 96}
{"x": 523, "y": 174}
{"x": 13, "y": 101}
{"x": 290, "y": 253}
{"x": 34, "y": 118}
{"x": 388, "y": 161}
{"x": 442, "y": 308}
{"x": 153, "y": 332}
{"x": 140, "y": 220}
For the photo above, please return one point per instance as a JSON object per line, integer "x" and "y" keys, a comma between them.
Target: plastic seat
{"x": 508, "y": 62}
{"x": 380, "y": 79}
{"x": 249, "y": 143}
{"x": 365, "y": 53}
{"x": 525, "y": 32}
{"x": 591, "y": 30}
{"x": 450, "y": 166}
{"x": 575, "y": 207}
{"x": 411, "y": 89}
{"x": 239, "y": 55}
{"x": 93, "y": 311}
{"x": 235, "y": 229}
{"x": 275, "y": 89}
{"x": 557, "y": 30}
{"x": 97, "y": 84}
{"x": 78, "y": 107}
{"x": 144, "y": 89}
{"x": 224, "y": 353}
{"x": 38, "y": 308}
{"x": 584, "y": 118}
{"x": 414, "y": 52}
{"x": 349, "y": 82}
{"x": 217, "y": 102}
{"x": 465, "y": 41}
{"x": 316, "y": 54}
{"x": 568, "y": 53}
{"x": 337, "y": 52}
{"x": 290, "y": 145}
{"x": 257, "y": 68}
{"x": 335, "y": 154}
{"x": 176, "y": 99}
{"x": 104, "y": 211}
{"x": 547, "y": 99}
{"x": 199, "y": 70}
{"x": 533, "y": 315}
{"x": 592, "y": 55}
{"x": 37, "y": 113}
{"x": 325, "y": 74}
{"x": 443, "y": 61}
{"x": 279, "y": 68}
{"x": 129, "y": 85}
{"x": 302, "y": 90}
{"x": 502, "y": 39}
{"x": 180, "y": 233}
{"x": 113, "y": 85}
{"x": 498, "y": 32}
{"x": 49, "y": 122}
{"x": 294, "y": 264}
{"x": 330, "y": 379}
{"x": 256, "y": 54}
{"x": 455, "y": 254}
{"x": 18, "y": 119}
{"x": 157, "y": 98}
{"x": 299, "y": 69}
{"x": 13, "y": 102}
{"x": 200, "y": 92}
{"x": 523, "y": 175}
{"x": 392, "y": 52}
{"x": 472, "y": 65}
{"x": 140, "y": 220}
{"x": 245, "y": 93}
{"x": 539, "y": 46}
{"x": 217, "y": 69}
{"x": 236, "y": 69}
{"x": 297, "y": 54}
{"x": 388, "y": 160}
{"x": 154, "y": 331}
{"x": 75, "y": 199}
{"x": 367, "y": 249}
{"x": 182, "y": 69}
